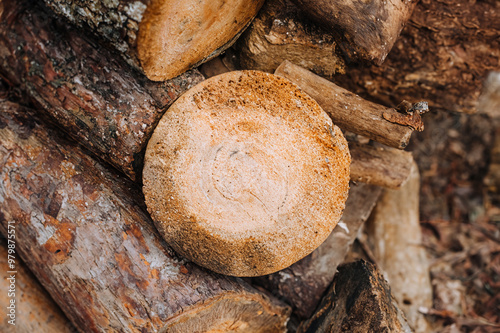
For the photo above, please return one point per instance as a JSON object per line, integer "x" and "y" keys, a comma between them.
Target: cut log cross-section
{"x": 164, "y": 38}
{"x": 96, "y": 251}
{"x": 246, "y": 174}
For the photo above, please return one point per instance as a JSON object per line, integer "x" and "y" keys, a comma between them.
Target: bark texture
{"x": 443, "y": 55}
{"x": 365, "y": 30}
{"x": 395, "y": 239}
{"x": 162, "y": 38}
{"x": 282, "y": 32}
{"x": 358, "y": 301}
{"x": 98, "y": 100}
{"x": 347, "y": 110}
{"x": 303, "y": 283}
{"x": 35, "y": 311}
{"x": 382, "y": 166}
{"x": 94, "y": 249}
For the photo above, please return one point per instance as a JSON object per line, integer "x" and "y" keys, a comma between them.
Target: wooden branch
{"x": 303, "y": 284}
{"x": 33, "y": 309}
{"x": 358, "y": 301}
{"x": 347, "y": 110}
{"x": 364, "y": 30}
{"x": 93, "y": 248}
{"x": 442, "y": 56}
{"x": 382, "y": 166}
{"x": 99, "y": 101}
{"x": 282, "y": 32}
{"x": 394, "y": 236}
{"x": 163, "y": 38}
{"x": 246, "y": 174}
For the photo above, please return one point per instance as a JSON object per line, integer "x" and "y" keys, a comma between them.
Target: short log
{"x": 358, "y": 301}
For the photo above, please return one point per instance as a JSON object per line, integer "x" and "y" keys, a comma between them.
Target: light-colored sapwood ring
{"x": 175, "y": 36}
{"x": 245, "y": 174}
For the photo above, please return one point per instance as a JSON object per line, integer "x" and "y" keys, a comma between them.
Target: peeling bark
{"x": 98, "y": 100}
{"x": 94, "y": 249}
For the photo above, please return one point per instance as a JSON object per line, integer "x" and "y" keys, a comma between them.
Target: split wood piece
{"x": 97, "y": 100}
{"x": 246, "y": 174}
{"x": 382, "y": 166}
{"x": 96, "y": 251}
{"x": 303, "y": 284}
{"x": 489, "y": 100}
{"x": 347, "y": 110}
{"x": 442, "y": 56}
{"x": 394, "y": 237}
{"x": 365, "y": 30}
{"x": 33, "y": 310}
{"x": 282, "y": 32}
{"x": 358, "y": 301}
{"x": 163, "y": 38}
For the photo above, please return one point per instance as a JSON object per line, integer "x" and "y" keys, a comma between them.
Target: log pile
{"x": 136, "y": 182}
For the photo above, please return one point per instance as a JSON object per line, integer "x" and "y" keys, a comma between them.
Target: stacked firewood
{"x": 115, "y": 88}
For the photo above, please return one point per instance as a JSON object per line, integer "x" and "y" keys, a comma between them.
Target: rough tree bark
{"x": 163, "y": 38}
{"x": 282, "y": 32}
{"x": 94, "y": 249}
{"x": 394, "y": 236}
{"x": 443, "y": 55}
{"x": 302, "y": 284}
{"x": 98, "y": 100}
{"x": 35, "y": 311}
{"x": 358, "y": 301}
{"x": 347, "y": 110}
{"x": 365, "y": 30}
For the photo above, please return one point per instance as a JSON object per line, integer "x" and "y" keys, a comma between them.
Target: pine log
{"x": 358, "y": 301}
{"x": 303, "y": 284}
{"x": 347, "y": 110}
{"x": 443, "y": 55}
{"x": 33, "y": 309}
{"x": 394, "y": 237}
{"x": 282, "y": 32}
{"x": 80, "y": 231}
{"x": 365, "y": 30}
{"x": 382, "y": 166}
{"x": 246, "y": 174}
{"x": 162, "y": 38}
{"x": 98, "y": 100}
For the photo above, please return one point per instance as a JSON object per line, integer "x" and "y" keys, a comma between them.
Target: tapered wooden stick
{"x": 347, "y": 110}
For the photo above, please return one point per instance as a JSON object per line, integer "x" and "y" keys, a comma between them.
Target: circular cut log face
{"x": 175, "y": 36}
{"x": 246, "y": 174}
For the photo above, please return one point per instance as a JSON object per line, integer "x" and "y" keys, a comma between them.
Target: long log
{"x": 303, "y": 284}
{"x": 394, "y": 237}
{"x": 443, "y": 55}
{"x": 163, "y": 38}
{"x": 358, "y": 301}
{"x": 80, "y": 231}
{"x": 282, "y": 32}
{"x": 365, "y": 30}
{"x": 347, "y": 110}
{"x": 32, "y": 309}
{"x": 98, "y": 100}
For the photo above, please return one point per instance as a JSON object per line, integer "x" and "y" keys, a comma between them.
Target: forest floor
{"x": 460, "y": 218}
